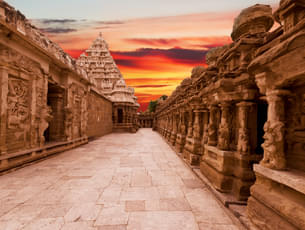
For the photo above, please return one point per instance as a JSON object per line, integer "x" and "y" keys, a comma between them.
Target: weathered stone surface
{"x": 253, "y": 20}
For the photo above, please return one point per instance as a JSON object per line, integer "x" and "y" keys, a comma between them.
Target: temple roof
{"x": 104, "y": 73}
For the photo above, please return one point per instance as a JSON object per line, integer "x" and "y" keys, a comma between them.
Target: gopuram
{"x": 241, "y": 119}
{"x": 108, "y": 80}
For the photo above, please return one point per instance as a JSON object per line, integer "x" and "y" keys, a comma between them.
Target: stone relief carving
{"x": 45, "y": 118}
{"x": 273, "y": 146}
{"x": 224, "y": 137}
{"x": 243, "y": 141}
{"x": 78, "y": 106}
{"x": 18, "y": 103}
{"x": 68, "y": 123}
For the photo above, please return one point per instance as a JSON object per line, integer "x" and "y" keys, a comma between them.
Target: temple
{"x": 239, "y": 123}
{"x": 108, "y": 80}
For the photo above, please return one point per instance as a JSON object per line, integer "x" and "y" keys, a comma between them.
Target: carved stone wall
{"x": 18, "y": 114}
{"x": 99, "y": 115}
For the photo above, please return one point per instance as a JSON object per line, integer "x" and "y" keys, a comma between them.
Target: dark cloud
{"x": 210, "y": 46}
{"x": 58, "y": 30}
{"x": 153, "y": 42}
{"x": 149, "y": 86}
{"x": 103, "y": 27}
{"x": 111, "y": 22}
{"x": 126, "y": 62}
{"x": 60, "y": 21}
{"x": 178, "y": 55}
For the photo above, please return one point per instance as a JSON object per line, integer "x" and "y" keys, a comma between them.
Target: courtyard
{"x": 119, "y": 181}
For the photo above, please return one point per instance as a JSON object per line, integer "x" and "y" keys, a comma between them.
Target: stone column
{"x": 243, "y": 144}
{"x": 170, "y": 126}
{"x": 124, "y": 115}
{"x": 212, "y": 129}
{"x": 183, "y": 125}
{"x": 205, "y": 127}
{"x": 225, "y": 127}
{"x": 174, "y": 130}
{"x": 190, "y": 124}
{"x": 274, "y": 156}
{"x": 3, "y": 109}
{"x": 196, "y": 125}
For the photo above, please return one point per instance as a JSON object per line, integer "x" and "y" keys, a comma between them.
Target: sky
{"x": 154, "y": 43}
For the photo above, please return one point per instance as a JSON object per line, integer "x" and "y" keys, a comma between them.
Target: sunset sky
{"x": 155, "y": 43}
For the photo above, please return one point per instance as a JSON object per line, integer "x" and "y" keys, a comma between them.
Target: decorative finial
{"x": 100, "y": 35}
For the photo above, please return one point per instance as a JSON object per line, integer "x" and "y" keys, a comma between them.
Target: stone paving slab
{"x": 118, "y": 182}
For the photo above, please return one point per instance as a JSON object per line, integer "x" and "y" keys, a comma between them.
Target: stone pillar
{"x": 183, "y": 125}
{"x": 196, "y": 125}
{"x": 225, "y": 127}
{"x": 205, "y": 127}
{"x": 170, "y": 127}
{"x": 274, "y": 156}
{"x": 3, "y": 109}
{"x": 174, "y": 130}
{"x": 212, "y": 129}
{"x": 190, "y": 124}
{"x": 124, "y": 115}
{"x": 243, "y": 144}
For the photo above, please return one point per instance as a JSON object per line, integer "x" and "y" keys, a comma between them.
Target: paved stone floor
{"x": 118, "y": 182}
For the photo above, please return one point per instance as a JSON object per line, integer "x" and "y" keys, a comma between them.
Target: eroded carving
{"x": 274, "y": 156}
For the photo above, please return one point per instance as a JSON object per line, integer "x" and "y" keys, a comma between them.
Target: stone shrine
{"x": 108, "y": 80}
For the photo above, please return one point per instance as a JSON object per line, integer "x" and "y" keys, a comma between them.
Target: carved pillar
{"x": 174, "y": 123}
{"x": 183, "y": 125}
{"x": 212, "y": 129}
{"x": 274, "y": 156}
{"x": 179, "y": 123}
{"x": 190, "y": 124}
{"x": 243, "y": 144}
{"x": 3, "y": 109}
{"x": 225, "y": 127}
{"x": 124, "y": 114}
{"x": 174, "y": 131}
{"x": 196, "y": 125}
{"x": 205, "y": 128}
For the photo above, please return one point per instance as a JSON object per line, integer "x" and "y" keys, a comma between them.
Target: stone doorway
{"x": 55, "y": 100}
{"x": 262, "y": 111}
{"x": 120, "y": 116}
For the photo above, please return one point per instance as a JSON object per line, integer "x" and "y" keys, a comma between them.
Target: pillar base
{"x": 277, "y": 199}
{"x": 180, "y": 142}
{"x": 191, "y": 151}
{"x": 173, "y": 138}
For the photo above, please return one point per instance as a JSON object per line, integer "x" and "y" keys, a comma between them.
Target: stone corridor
{"x": 120, "y": 181}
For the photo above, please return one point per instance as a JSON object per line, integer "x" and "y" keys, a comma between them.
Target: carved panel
{"x": 78, "y": 106}
{"x": 18, "y": 103}
{"x": 18, "y": 113}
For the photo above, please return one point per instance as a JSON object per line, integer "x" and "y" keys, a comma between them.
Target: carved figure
{"x": 224, "y": 137}
{"x": 212, "y": 133}
{"x": 273, "y": 146}
{"x": 243, "y": 141}
{"x": 45, "y": 118}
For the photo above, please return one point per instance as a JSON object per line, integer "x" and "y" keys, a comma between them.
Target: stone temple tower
{"x": 108, "y": 80}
